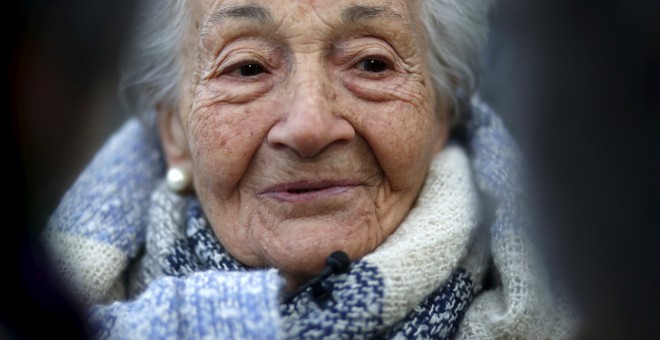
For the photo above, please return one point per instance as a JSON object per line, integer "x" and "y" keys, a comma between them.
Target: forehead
{"x": 300, "y": 12}
{"x": 287, "y": 5}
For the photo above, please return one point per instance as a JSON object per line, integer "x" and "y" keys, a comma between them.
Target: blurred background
{"x": 576, "y": 81}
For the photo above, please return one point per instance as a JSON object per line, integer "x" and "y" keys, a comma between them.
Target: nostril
{"x": 309, "y": 132}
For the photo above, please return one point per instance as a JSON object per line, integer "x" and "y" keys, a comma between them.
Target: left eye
{"x": 373, "y": 66}
{"x": 250, "y": 70}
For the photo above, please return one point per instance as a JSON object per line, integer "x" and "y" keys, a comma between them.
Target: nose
{"x": 310, "y": 125}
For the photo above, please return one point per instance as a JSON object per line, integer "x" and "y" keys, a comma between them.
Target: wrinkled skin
{"x": 308, "y": 126}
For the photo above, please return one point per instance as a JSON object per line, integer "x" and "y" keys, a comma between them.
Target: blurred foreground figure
{"x": 62, "y": 72}
{"x": 579, "y": 82}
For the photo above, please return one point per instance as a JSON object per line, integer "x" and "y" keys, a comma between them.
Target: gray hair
{"x": 151, "y": 72}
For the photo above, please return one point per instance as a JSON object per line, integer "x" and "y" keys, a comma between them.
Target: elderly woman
{"x": 291, "y": 130}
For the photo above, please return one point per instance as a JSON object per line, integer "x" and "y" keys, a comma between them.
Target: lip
{"x": 307, "y": 190}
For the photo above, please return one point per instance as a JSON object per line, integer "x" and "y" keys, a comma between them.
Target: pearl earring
{"x": 178, "y": 179}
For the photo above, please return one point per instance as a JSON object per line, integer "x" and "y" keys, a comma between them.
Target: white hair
{"x": 152, "y": 70}
{"x": 456, "y": 32}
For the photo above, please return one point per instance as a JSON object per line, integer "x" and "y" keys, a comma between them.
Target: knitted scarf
{"x": 428, "y": 287}
{"x": 147, "y": 264}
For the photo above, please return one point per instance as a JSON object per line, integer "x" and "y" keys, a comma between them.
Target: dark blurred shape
{"x": 579, "y": 84}
{"x": 65, "y": 76}
{"x": 62, "y": 72}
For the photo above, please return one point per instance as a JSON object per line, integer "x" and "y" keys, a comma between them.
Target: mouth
{"x": 308, "y": 190}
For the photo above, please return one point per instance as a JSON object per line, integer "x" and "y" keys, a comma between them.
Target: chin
{"x": 299, "y": 248}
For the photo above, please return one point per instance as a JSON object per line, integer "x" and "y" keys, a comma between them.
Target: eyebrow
{"x": 357, "y": 13}
{"x": 250, "y": 12}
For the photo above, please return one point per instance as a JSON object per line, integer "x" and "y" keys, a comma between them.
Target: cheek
{"x": 396, "y": 117}
{"x": 223, "y": 140}
{"x": 403, "y": 137}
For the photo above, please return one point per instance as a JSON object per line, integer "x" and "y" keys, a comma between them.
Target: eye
{"x": 249, "y": 70}
{"x": 373, "y": 66}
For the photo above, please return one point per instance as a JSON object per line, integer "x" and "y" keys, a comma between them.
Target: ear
{"x": 173, "y": 140}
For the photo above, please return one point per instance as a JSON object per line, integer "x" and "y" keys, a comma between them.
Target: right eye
{"x": 248, "y": 70}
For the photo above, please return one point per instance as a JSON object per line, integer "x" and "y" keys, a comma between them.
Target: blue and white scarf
{"x": 147, "y": 264}
{"x": 438, "y": 316}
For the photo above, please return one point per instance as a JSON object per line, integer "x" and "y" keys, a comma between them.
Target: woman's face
{"x": 308, "y": 126}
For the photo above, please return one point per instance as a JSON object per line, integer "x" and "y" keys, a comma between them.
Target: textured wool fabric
{"x": 520, "y": 305}
{"x": 99, "y": 231}
{"x": 434, "y": 238}
{"x": 99, "y": 226}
